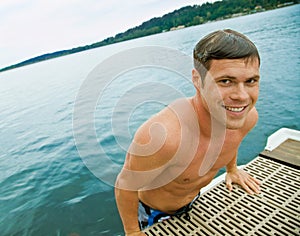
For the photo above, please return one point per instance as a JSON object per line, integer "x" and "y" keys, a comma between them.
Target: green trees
{"x": 195, "y": 15}
{"x": 185, "y": 16}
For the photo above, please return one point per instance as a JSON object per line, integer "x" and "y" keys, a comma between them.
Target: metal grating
{"x": 276, "y": 211}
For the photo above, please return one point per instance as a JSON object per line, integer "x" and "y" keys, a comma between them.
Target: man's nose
{"x": 239, "y": 92}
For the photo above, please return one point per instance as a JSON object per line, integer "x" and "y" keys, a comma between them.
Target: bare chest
{"x": 208, "y": 159}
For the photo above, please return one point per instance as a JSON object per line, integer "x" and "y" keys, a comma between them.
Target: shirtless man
{"x": 179, "y": 150}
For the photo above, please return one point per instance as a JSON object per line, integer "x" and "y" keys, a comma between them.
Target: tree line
{"x": 183, "y": 17}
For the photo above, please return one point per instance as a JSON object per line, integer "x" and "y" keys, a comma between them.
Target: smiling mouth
{"x": 235, "y": 109}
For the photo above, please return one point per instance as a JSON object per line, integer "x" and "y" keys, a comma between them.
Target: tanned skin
{"x": 226, "y": 100}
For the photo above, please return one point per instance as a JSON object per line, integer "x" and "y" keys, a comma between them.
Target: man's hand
{"x": 249, "y": 183}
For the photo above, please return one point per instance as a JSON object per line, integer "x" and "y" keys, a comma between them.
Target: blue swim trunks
{"x": 148, "y": 216}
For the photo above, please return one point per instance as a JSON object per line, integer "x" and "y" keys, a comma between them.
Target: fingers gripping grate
{"x": 276, "y": 211}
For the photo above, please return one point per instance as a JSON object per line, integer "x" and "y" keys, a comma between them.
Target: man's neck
{"x": 208, "y": 125}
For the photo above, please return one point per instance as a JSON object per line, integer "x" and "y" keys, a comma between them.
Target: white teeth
{"x": 235, "y": 109}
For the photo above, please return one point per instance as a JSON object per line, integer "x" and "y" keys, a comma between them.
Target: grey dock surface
{"x": 275, "y": 211}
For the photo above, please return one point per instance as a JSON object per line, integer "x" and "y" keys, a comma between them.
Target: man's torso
{"x": 186, "y": 179}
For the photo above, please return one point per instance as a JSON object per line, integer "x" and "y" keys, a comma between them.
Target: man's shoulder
{"x": 163, "y": 126}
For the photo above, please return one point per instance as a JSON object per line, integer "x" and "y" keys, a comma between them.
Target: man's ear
{"x": 196, "y": 79}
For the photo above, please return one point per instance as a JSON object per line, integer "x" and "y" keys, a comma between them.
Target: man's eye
{"x": 225, "y": 81}
{"x": 251, "y": 81}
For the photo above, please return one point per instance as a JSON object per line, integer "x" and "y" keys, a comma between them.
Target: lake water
{"x": 46, "y": 187}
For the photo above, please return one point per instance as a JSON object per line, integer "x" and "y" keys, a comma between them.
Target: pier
{"x": 275, "y": 211}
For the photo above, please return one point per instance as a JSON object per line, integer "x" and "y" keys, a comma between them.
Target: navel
{"x": 186, "y": 180}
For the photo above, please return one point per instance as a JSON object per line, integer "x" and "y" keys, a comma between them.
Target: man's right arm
{"x": 134, "y": 176}
{"x": 127, "y": 202}
{"x": 147, "y": 158}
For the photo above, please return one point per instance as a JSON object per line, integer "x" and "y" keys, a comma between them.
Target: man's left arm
{"x": 241, "y": 177}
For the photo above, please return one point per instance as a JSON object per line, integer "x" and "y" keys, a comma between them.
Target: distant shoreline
{"x": 179, "y": 19}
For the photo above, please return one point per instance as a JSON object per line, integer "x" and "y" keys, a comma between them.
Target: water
{"x": 46, "y": 189}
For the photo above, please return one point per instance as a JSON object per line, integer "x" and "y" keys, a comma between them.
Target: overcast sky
{"x": 30, "y": 28}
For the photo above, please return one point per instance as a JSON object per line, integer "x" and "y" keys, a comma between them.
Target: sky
{"x": 30, "y": 28}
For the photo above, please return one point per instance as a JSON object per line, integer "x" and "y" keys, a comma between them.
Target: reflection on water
{"x": 45, "y": 187}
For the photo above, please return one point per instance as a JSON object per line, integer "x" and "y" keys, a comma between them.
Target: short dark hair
{"x": 222, "y": 44}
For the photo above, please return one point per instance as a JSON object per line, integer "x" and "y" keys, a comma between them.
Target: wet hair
{"x": 222, "y": 44}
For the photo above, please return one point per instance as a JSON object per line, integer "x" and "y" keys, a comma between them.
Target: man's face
{"x": 231, "y": 89}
